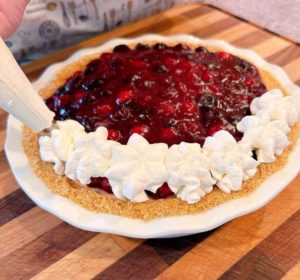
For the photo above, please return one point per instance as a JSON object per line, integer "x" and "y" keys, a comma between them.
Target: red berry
{"x": 206, "y": 77}
{"x": 164, "y": 191}
{"x": 166, "y": 109}
{"x": 106, "y": 56}
{"x": 114, "y": 134}
{"x": 189, "y": 107}
{"x": 124, "y": 96}
{"x": 214, "y": 88}
{"x": 105, "y": 185}
{"x": 169, "y": 61}
{"x": 224, "y": 55}
{"x": 79, "y": 95}
{"x": 101, "y": 183}
{"x": 188, "y": 127}
{"x": 249, "y": 81}
{"x": 168, "y": 134}
{"x": 103, "y": 110}
{"x": 139, "y": 64}
{"x": 184, "y": 65}
{"x": 141, "y": 129}
{"x": 77, "y": 74}
{"x": 214, "y": 128}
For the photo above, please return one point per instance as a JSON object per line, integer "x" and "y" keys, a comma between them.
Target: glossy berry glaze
{"x": 167, "y": 94}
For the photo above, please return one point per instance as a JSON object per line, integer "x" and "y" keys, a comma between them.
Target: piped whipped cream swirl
{"x": 189, "y": 170}
{"x": 275, "y": 106}
{"x": 231, "y": 161}
{"x": 90, "y": 156}
{"x": 137, "y": 167}
{"x": 267, "y": 138}
{"x": 57, "y": 147}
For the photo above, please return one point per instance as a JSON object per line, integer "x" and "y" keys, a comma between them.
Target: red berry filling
{"x": 167, "y": 94}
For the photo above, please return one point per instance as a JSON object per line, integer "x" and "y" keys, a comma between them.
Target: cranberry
{"x": 206, "y": 77}
{"x": 139, "y": 64}
{"x": 249, "y": 81}
{"x": 164, "y": 191}
{"x": 103, "y": 110}
{"x": 101, "y": 183}
{"x": 224, "y": 55}
{"x": 78, "y": 96}
{"x": 166, "y": 109}
{"x": 124, "y": 96}
{"x": 169, "y": 135}
{"x": 189, "y": 107}
{"x": 141, "y": 129}
{"x": 114, "y": 134}
{"x": 214, "y": 128}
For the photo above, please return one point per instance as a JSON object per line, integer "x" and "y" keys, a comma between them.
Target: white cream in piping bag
{"x": 17, "y": 95}
{"x": 190, "y": 171}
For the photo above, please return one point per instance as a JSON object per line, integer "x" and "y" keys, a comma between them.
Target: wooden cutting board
{"x": 261, "y": 245}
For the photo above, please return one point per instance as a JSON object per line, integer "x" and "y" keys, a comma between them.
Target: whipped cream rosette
{"x": 58, "y": 146}
{"x": 275, "y": 106}
{"x": 90, "y": 156}
{"x": 137, "y": 167}
{"x": 189, "y": 171}
{"x": 267, "y": 138}
{"x": 231, "y": 162}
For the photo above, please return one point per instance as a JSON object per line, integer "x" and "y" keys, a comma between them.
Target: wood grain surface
{"x": 261, "y": 245}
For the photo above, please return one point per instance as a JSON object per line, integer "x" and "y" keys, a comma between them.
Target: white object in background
{"x": 17, "y": 95}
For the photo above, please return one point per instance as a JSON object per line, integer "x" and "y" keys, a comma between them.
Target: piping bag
{"x": 18, "y": 96}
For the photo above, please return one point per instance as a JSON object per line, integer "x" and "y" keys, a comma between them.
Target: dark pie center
{"x": 167, "y": 94}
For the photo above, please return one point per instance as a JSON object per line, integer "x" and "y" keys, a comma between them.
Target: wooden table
{"x": 262, "y": 245}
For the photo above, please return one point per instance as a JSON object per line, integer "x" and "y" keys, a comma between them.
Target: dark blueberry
{"x": 201, "y": 50}
{"x": 90, "y": 68}
{"x": 104, "y": 93}
{"x": 115, "y": 65}
{"x": 141, "y": 47}
{"x": 70, "y": 84}
{"x": 61, "y": 90}
{"x": 159, "y": 46}
{"x": 91, "y": 83}
{"x": 170, "y": 123}
{"x": 181, "y": 47}
{"x": 121, "y": 48}
{"x": 131, "y": 79}
{"x": 160, "y": 69}
{"x": 64, "y": 113}
{"x": 207, "y": 101}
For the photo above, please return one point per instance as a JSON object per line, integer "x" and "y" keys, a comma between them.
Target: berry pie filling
{"x": 159, "y": 120}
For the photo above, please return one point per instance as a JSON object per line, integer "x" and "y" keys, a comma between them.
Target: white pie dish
{"x": 163, "y": 227}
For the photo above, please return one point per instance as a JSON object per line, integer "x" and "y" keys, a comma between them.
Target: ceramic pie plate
{"x": 80, "y": 217}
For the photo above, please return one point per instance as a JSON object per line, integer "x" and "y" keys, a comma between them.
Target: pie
{"x": 153, "y": 130}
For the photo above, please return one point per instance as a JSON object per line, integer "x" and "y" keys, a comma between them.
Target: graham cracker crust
{"x": 151, "y": 209}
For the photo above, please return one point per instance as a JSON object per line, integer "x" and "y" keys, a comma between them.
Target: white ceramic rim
{"x": 80, "y": 217}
